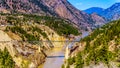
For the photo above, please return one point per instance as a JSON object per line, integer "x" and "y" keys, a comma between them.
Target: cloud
{"x": 78, "y": 4}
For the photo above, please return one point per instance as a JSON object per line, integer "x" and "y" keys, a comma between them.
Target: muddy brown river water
{"x": 55, "y": 57}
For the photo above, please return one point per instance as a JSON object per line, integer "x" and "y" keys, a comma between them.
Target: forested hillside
{"x": 60, "y": 26}
{"x": 6, "y": 60}
{"x": 101, "y": 47}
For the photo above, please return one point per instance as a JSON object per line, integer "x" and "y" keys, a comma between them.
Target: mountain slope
{"x": 57, "y": 8}
{"x": 100, "y": 49}
{"x": 25, "y": 6}
{"x": 94, "y": 10}
{"x": 99, "y": 21}
{"x": 111, "y": 12}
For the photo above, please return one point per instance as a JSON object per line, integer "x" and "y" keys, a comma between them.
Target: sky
{"x": 85, "y": 4}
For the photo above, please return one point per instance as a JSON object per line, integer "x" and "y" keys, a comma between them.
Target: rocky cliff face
{"x": 58, "y": 8}
{"x": 25, "y": 6}
{"x": 64, "y": 9}
{"x": 99, "y": 21}
{"x": 116, "y": 16}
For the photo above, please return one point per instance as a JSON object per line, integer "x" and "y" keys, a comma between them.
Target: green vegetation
{"x": 79, "y": 61}
{"x": 27, "y": 26}
{"x": 71, "y": 60}
{"x": 60, "y": 26}
{"x": 39, "y": 31}
{"x": 23, "y": 33}
{"x": 63, "y": 66}
{"x": 97, "y": 49}
{"x": 6, "y": 60}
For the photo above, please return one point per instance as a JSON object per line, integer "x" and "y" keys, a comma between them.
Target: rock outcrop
{"x": 22, "y": 53}
{"x": 99, "y": 21}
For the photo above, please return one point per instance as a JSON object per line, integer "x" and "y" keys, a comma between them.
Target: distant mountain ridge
{"x": 57, "y": 8}
{"x": 97, "y": 10}
{"x": 111, "y": 13}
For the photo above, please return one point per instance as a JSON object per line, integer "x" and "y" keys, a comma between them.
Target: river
{"x": 55, "y": 57}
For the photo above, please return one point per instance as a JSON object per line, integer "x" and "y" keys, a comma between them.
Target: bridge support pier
{"x": 67, "y": 51}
